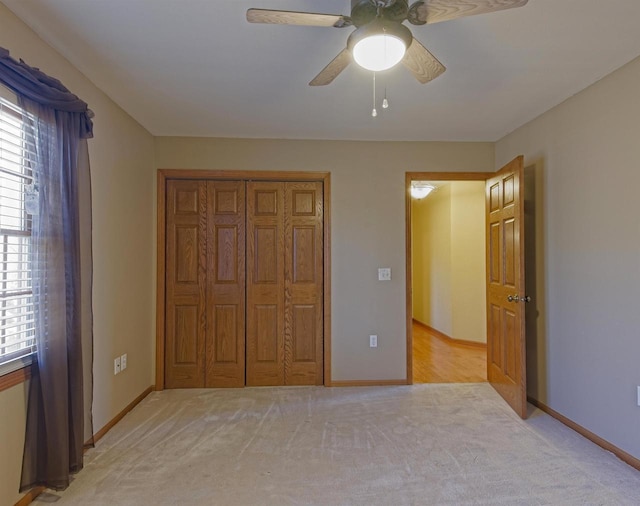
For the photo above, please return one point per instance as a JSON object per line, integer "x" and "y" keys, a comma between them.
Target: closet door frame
{"x": 220, "y": 175}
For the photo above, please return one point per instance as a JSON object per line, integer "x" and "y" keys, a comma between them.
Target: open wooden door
{"x": 505, "y": 285}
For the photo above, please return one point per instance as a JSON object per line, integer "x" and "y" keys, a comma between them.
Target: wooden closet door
{"x": 225, "y": 332}
{"x": 185, "y": 284}
{"x": 303, "y": 278}
{"x": 265, "y": 284}
{"x": 231, "y": 322}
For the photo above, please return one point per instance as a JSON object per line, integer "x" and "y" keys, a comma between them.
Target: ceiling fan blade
{"x": 422, "y": 64}
{"x": 331, "y": 71}
{"x": 297, "y": 18}
{"x": 434, "y": 11}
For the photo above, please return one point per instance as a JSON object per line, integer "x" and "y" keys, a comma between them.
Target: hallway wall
{"x": 448, "y": 241}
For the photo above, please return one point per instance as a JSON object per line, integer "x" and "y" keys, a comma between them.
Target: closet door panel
{"x": 265, "y": 284}
{"x": 303, "y": 230}
{"x": 225, "y": 341}
{"x": 244, "y": 283}
{"x": 185, "y": 284}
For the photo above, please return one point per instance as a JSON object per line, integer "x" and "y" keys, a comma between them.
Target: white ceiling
{"x": 198, "y": 68}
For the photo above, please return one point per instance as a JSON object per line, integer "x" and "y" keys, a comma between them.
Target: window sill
{"x": 15, "y": 378}
{"x": 15, "y": 372}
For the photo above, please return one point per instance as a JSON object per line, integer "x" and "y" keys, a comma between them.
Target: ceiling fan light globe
{"x": 380, "y": 44}
{"x": 379, "y": 52}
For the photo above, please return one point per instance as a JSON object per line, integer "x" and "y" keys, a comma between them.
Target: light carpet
{"x": 415, "y": 445}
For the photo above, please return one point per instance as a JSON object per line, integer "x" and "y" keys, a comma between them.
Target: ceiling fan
{"x": 380, "y": 40}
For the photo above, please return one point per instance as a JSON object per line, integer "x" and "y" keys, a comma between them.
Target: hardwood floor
{"x": 439, "y": 360}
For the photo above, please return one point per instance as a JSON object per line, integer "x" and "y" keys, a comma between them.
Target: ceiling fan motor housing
{"x": 365, "y": 11}
{"x": 377, "y": 27}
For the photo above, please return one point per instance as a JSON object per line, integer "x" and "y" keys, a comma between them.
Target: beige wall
{"x": 583, "y": 340}
{"x": 432, "y": 295}
{"x": 420, "y": 262}
{"x": 123, "y": 180}
{"x": 367, "y": 227}
{"x": 12, "y": 423}
{"x": 449, "y": 260}
{"x": 421, "y": 278}
{"x": 468, "y": 267}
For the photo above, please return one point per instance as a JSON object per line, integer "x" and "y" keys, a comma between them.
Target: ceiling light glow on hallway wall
{"x": 420, "y": 189}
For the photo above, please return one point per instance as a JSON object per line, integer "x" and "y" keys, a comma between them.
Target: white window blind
{"x": 16, "y": 183}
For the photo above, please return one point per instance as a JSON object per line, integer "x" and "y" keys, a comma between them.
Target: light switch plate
{"x": 116, "y": 366}
{"x": 123, "y": 362}
{"x": 384, "y": 274}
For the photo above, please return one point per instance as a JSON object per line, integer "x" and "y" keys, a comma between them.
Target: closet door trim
{"x": 217, "y": 175}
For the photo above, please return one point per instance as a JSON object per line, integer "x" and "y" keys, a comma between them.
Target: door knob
{"x": 517, "y": 298}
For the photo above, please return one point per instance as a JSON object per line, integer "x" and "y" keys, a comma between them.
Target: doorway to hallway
{"x": 505, "y": 277}
{"x": 447, "y": 256}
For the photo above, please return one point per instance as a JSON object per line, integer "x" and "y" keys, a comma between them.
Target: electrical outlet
{"x": 638, "y": 395}
{"x": 373, "y": 341}
{"x": 384, "y": 274}
{"x": 123, "y": 362}
{"x": 116, "y": 366}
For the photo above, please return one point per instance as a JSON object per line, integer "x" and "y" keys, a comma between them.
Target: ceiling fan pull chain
{"x": 374, "y": 113}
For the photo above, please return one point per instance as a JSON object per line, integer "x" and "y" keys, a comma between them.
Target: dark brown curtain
{"x": 56, "y": 126}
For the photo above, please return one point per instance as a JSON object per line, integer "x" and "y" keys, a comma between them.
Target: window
{"x": 17, "y": 339}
